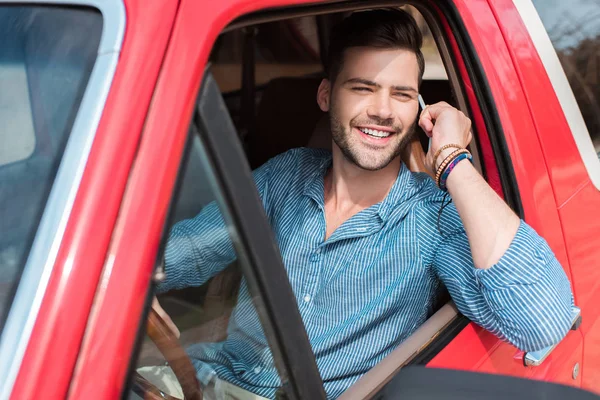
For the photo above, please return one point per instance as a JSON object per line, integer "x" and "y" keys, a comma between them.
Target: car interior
{"x": 268, "y": 73}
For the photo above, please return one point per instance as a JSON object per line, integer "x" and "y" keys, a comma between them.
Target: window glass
{"x": 207, "y": 297}
{"x": 574, "y": 29}
{"x": 46, "y": 58}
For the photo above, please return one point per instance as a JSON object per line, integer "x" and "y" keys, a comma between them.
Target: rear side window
{"x": 46, "y": 58}
{"x": 574, "y": 29}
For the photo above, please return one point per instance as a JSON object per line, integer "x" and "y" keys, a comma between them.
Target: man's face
{"x": 372, "y": 105}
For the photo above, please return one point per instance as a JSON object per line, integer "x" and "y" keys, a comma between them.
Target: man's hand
{"x": 490, "y": 224}
{"x": 444, "y": 124}
{"x": 159, "y": 310}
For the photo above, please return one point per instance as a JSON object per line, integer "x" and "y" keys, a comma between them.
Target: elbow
{"x": 546, "y": 326}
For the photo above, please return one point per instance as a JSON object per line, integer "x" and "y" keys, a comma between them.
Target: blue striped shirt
{"x": 372, "y": 283}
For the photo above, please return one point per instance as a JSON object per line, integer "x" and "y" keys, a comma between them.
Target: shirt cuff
{"x": 176, "y": 249}
{"x": 523, "y": 263}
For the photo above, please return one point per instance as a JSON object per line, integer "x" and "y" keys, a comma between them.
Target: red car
{"x": 121, "y": 117}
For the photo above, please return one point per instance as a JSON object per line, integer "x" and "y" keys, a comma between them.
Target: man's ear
{"x": 324, "y": 95}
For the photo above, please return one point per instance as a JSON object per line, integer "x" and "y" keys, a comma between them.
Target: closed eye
{"x": 403, "y": 96}
{"x": 362, "y": 89}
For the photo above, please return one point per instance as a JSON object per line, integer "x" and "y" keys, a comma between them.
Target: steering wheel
{"x": 169, "y": 346}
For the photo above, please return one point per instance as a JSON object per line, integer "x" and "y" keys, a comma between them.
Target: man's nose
{"x": 381, "y": 107}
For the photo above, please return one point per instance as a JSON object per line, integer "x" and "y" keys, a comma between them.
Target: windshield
{"x": 46, "y": 58}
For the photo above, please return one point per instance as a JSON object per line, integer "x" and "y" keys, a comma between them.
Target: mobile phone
{"x": 422, "y": 106}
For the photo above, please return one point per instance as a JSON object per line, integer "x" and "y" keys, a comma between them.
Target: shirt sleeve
{"x": 525, "y": 298}
{"x": 201, "y": 247}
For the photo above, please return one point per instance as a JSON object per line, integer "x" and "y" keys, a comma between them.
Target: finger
{"x": 434, "y": 110}
{"x": 426, "y": 122}
{"x": 427, "y": 126}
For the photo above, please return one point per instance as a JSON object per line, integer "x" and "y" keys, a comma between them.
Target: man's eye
{"x": 361, "y": 89}
{"x": 403, "y": 96}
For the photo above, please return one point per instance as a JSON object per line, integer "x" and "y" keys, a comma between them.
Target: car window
{"x": 211, "y": 295}
{"x": 46, "y": 58}
{"x": 205, "y": 303}
{"x": 574, "y": 29}
{"x": 211, "y": 314}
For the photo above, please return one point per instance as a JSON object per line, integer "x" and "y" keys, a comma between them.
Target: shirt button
{"x": 318, "y": 251}
{"x": 307, "y": 298}
{"x": 257, "y": 370}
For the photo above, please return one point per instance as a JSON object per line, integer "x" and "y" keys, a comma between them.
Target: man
{"x": 359, "y": 233}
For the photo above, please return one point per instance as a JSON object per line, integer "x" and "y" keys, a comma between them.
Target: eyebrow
{"x": 377, "y": 85}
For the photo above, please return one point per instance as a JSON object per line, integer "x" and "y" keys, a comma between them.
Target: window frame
{"x": 490, "y": 118}
{"x": 558, "y": 78}
{"x": 491, "y": 125}
{"x": 42, "y": 254}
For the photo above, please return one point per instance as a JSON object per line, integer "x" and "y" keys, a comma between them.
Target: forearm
{"x": 197, "y": 249}
{"x": 489, "y": 223}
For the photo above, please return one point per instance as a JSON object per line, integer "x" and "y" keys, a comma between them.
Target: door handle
{"x": 535, "y": 358}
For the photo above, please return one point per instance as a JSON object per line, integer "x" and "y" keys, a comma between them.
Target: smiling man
{"x": 359, "y": 232}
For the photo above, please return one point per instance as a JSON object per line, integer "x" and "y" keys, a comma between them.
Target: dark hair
{"x": 389, "y": 28}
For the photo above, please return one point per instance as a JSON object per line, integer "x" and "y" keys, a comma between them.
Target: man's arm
{"x": 517, "y": 289}
{"x": 490, "y": 224}
{"x": 201, "y": 247}
{"x": 524, "y": 298}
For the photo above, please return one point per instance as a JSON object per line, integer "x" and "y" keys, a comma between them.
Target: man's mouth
{"x": 375, "y": 133}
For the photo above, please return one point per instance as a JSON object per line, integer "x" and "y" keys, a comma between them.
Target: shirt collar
{"x": 314, "y": 186}
{"x": 405, "y": 187}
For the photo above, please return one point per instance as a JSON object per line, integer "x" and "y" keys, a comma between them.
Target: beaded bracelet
{"x": 444, "y": 147}
{"x": 445, "y": 163}
{"x": 451, "y": 166}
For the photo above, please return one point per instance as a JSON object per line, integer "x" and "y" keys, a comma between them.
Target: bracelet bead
{"x": 444, "y": 147}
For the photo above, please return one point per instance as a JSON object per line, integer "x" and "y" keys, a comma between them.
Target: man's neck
{"x": 348, "y": 186}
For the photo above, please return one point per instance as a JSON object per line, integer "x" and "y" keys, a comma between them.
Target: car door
{"x": 486, "y": 41}
{"x": 87, "y": 131}
{"x": 562, "y": 85}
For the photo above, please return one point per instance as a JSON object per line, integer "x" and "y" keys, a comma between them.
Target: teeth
{"x": 376, "y": 133}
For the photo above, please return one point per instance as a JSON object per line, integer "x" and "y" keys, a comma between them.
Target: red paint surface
{"x": 53, "y": 349}
{"x": 508, "y": 61}
{"x": 576, "y": 198}
{"x": 95, "y": 306}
